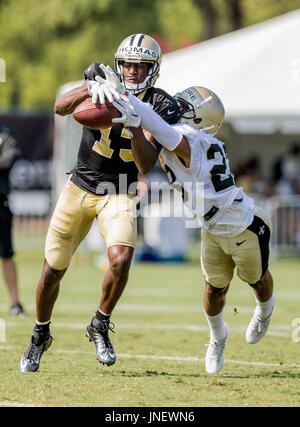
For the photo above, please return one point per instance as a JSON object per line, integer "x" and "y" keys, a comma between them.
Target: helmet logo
{"x": 191, "y": 94}
{"x": 136, "y": 49}
{"x": 201, "y": 109}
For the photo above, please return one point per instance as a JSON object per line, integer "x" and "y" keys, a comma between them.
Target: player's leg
{"x": 214, "y": 303}
{"x": 9, "y": 269}
{"x": 46, "y": 295}
{"x": 113, "y": 286}
{"x": 252, "y": 267}
{"x": 70, "y": 223}
{"x": 68, "y": 226}
{"x": 116, "y": 278}
{"x": 214, "y": 299}
{"x": 263, "y": 289}
{"x": 117, "y": 224}
{"x": 218, "y": 268}
{"x": 47, "y": 292}
{"x": 259, "y": 323}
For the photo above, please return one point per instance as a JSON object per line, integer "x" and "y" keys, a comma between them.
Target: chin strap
{"x": 136, "y": 88}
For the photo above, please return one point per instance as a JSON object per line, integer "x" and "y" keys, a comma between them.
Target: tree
{"x": 235, "y": 14}
{"x": 210, "y": 17}
{"x": 50, "y": 43}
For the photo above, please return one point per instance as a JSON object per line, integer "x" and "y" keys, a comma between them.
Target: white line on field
{"x": 186, "y": 359}
{"x": 275, "y": 330}
{"x": 167, "y": 308}
{"x": 152, "y": 308}
{"x": 18, "y": 404}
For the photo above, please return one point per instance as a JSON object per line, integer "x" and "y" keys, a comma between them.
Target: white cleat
{"x": 214, "y": 354}
{"x": 257, "y": 328}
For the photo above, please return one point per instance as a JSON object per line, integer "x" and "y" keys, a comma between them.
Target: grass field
{"x": 160, "y": 341}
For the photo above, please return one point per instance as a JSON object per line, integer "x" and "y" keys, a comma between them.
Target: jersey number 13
{"x": 102, "y": 147}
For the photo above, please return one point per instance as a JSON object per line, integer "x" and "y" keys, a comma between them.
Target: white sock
{"x": 265, "y": 308}
{"x": 42, "y": 323}
{"x": 104, "y": 314}
{"x": 216, "y": 326}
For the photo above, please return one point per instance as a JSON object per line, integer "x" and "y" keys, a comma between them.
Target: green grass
{"x": 160, "y": 315}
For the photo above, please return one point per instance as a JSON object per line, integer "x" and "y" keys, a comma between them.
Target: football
{"x": 95, "y": 116}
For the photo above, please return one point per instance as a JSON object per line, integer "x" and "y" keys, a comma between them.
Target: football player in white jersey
{"x": 235, "y": 232}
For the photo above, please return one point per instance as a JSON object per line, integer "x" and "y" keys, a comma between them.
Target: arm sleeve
{"x": 165, "y": 134}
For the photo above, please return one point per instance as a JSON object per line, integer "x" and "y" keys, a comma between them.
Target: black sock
{"x": 42, "y": 329}
{"x": 99, "y": 319}
{"x": 40, "y": 333}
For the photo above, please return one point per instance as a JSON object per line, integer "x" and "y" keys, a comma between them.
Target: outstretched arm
{"x": 136, "y": 112}
{"x": 67, "y": 103}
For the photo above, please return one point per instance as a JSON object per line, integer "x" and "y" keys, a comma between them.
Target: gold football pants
{"x": 73, "y": 217}
{"x": 248, "y": 253}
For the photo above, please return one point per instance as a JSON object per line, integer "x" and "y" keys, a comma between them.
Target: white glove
{"x": 93, "y": 88}
{"x": 99, "y": 91}
{"x": 111, "y": 86}
{"x": 129, "y": 117}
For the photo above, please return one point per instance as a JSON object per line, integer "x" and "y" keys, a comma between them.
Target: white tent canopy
{"x": 255, "y": 70}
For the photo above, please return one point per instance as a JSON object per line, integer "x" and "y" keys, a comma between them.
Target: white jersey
{"x": 208, "y": 184}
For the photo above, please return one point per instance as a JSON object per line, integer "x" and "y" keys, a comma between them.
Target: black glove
{"x": 92, "y": 71}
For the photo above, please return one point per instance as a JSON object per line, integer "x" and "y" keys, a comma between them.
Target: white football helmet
{"x": 139, "y": 48}
{"x": 201, "y": 108}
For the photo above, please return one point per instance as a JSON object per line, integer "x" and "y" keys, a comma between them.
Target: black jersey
{"x": 9, "y": 153}
{"x": 105, "y": 156}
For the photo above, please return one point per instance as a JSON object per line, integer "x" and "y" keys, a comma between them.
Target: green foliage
{"x": 48, "y": 43}
{"x": 172, "y": 14}
{"x": 260, "y": 10}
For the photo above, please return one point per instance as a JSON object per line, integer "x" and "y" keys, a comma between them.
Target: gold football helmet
{"x": 139, "y": 48}
{"x": 201, "y": 108}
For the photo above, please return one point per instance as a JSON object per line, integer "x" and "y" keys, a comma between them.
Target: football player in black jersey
{"x": 105, "y": 162}
{"x": 9, "y": 153}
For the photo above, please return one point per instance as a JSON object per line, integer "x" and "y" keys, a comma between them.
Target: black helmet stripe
{"x": 132, "y": 39}
{"x": 141, "y": 39}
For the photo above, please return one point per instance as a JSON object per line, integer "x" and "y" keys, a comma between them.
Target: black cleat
{"x": 17, "y": 310}
{"x": 105, "y": 352}
{"x": 40, "y": 342}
